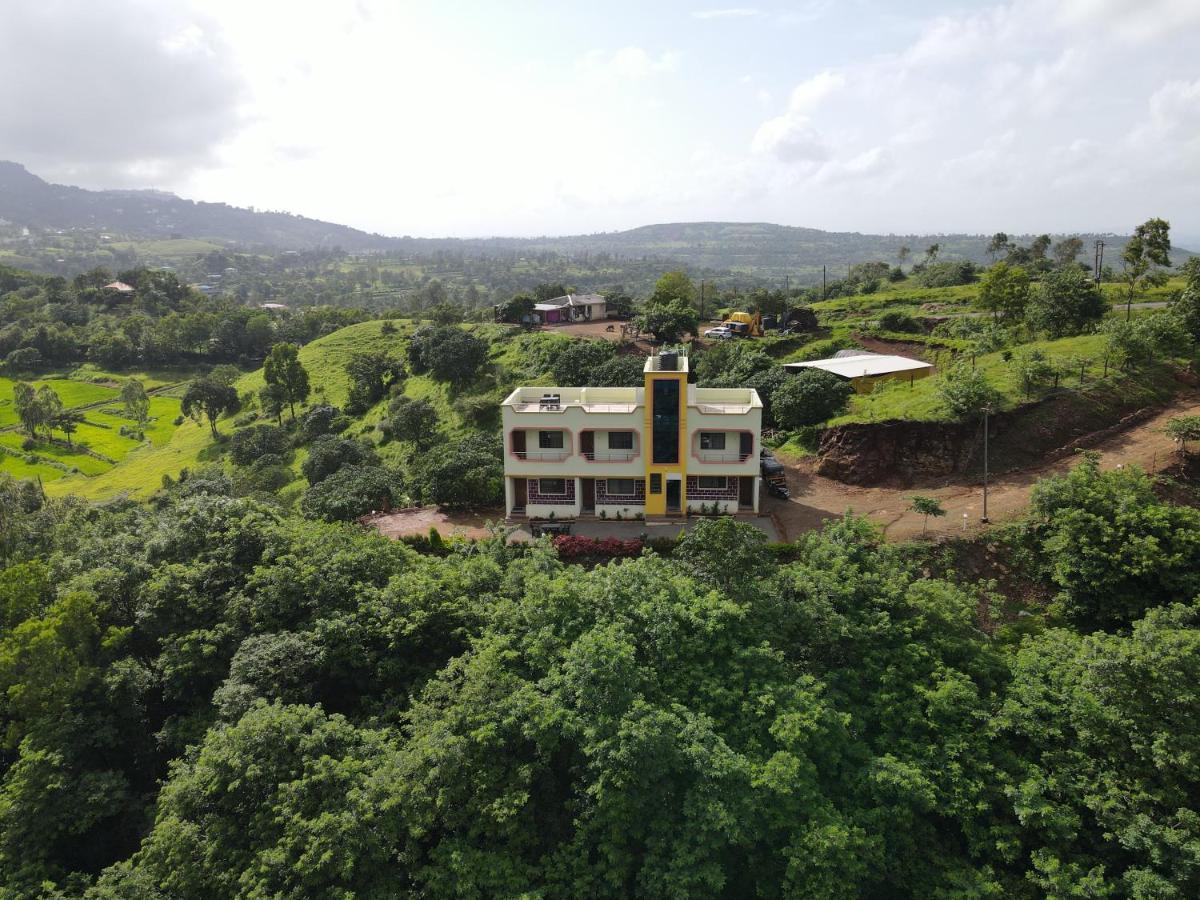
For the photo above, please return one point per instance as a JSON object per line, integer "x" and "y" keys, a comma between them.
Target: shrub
{"x": 462, "y": 475}
{"x": 329, "y": 453}
{"x": 351, "y": 492}
{"x": 899, "y": 321}
{"x": 810, "y": 397}
{"x": 965, "y": 392}
{"x": 946, "y": 274}
{"x": 319, "y": 420}
{"x": 571, "y": 546}
{"x": 1067, "y": 302}
{"x": 251, "y": 444}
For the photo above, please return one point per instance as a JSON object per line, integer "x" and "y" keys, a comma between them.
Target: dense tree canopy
{"x": 210, "y": 697}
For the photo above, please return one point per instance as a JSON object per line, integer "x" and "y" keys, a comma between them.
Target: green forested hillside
{"x": 210, "y": 697}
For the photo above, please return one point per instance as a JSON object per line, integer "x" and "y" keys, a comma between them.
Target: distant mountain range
{"x": 27, "y": 200}
{"x": 756, "y": 248}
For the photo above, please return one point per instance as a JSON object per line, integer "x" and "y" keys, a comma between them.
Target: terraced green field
{"x": 99, "y": 432}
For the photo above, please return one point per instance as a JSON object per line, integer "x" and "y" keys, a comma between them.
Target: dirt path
{"x": 816, "y": 499}
{"x": 418, "y": 520}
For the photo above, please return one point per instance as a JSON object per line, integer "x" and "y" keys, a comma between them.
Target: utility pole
{"x": 1099, "y": 259}
{"x": 986, "y": 409}
{"x": 787, "y": 285}
{"x": 822, "y": 282}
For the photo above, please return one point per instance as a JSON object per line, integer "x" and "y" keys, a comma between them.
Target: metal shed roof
{"x": 862, "y": 365}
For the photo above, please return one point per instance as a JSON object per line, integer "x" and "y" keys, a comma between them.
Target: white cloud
{"x": 790, "y": 138}
{"x": 735, "y": 12}
{"x": 630, "y": 62}
{"x": 808, "y": 95}
{"x": 1133, "y": 21}
{"x": 869, "y": 164}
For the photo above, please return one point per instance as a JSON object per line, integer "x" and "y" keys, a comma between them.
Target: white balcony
{"x": 542, "y": 455}
{"x": 619, "y": 456}
{"x": 722, "y": 456}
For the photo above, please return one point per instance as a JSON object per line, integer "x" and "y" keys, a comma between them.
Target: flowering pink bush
{"x": 571, "y": 546}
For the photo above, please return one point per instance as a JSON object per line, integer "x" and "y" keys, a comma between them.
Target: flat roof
{"x": 863, "y": 365}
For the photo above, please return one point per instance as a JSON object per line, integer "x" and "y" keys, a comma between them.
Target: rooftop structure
{"x": 119, "y": 286}
{"x": 865, "y": 369}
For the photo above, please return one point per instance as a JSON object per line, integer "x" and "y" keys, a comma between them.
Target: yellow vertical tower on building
{"x": 666, "y": 376}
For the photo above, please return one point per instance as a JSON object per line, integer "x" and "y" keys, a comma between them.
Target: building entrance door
{"x": 589, "y": 494}
{"x": 674, "y": 493}
{"x": 746, "y": 492}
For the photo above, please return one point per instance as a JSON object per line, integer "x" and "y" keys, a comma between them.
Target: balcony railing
{"x": 542, "y": 455}
{"x": 719, "y": 409}
{"x": 723, "y": 456}
{"x": 610, "y": 455}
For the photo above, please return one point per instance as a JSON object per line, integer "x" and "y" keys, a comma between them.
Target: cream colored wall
{"x": 574, "y": 420}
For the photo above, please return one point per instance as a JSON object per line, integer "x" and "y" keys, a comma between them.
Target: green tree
{"x": 1111, "y": 546}
{"x": 251, "y": 444}
{"x": 1147, "y": 249}
{"x": 668, "y": 321}
{"x": 1067, "y": 251}
{"x": 461, "y": 475}
{"x": 413, "y": 421}
{"x": 353, "y": 491}
{"x": 446, "y": 353}
{"x": 997, "y": 245}
{"x": 965, "y": 391}
{"x": 274, "y": 400}
{"x": 207, "y": 398}
{"x": 135, "y": 401}
{"x": 371, "y": 375}
{"x": 1068, "y": 302}
{"x": 674, "y": 286}
{"x": 1034, "y": 370}
{"x": 67, "y": 421}
{"x": 25, "y": 402}
{"x": 1004, "y": 291}
{"x": 574, "y": 365}
{"x": 284, "y": 370}
{"x": 926, "y": 506}
{"x": 328, "y": 453}
{"x": 810, "y": 397}
{"x": 50, "y": 407}
{"x": 1102, "y": 770}
{"x": 1182, "y": 429}
{"x": 276, "y": 772}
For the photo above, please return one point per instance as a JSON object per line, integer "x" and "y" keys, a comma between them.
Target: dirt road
{"x": 816, "y": 499}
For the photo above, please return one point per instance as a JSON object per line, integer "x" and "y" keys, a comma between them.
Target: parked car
{"x": 773, "y": 475}
{"x": 721, "y": 332}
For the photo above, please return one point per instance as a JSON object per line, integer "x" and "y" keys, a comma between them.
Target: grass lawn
{"x": 920, "y": 401}
{"x": 178, "y": 248}
{"x": 326, "y": 358}
{"x": 139, "y": 474}
{"x": 88, "y": 465}
{"x": 18, "y": 468}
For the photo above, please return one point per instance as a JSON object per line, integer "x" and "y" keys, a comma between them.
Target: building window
{"x": 713, "y": 482}
{"x": 665, "y": 407}
{"x": 548, "y": 486}
{"x": 620, "y": 440}
{"x": 655, "y": 483}
{"x": 623, "y": 486}
{"x": 550, "y": 440}
{"x": 712, "y": 440}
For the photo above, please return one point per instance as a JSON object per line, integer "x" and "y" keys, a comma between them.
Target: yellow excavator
{"x": 744, "y": 324}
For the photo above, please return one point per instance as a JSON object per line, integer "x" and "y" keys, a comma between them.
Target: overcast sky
{"x": 522, "y": 118}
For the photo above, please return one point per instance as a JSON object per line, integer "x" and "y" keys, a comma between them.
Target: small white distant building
{"x": 571, "y": 308}
{"x": 119, "y": 286}
{"x": 273, "y": 306}
{"x": 864, "y": 370}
